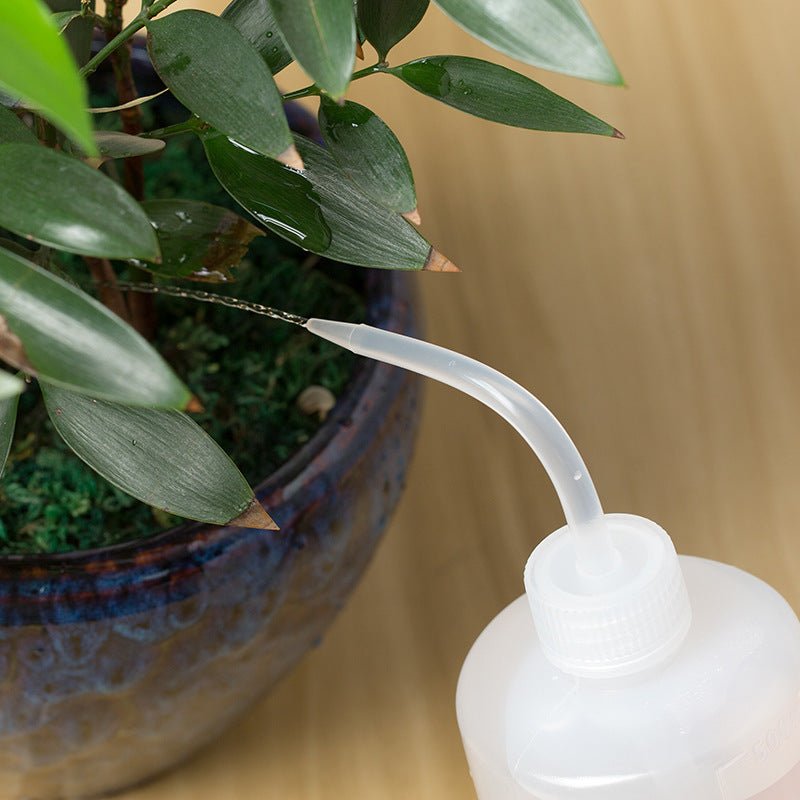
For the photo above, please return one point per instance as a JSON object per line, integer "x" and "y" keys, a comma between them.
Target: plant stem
{"x": 313, "y": 89}
{"x": 110, "y": 294}
{"x": 136, "y": 24}
{"x": 126, "y": 92}
{"x": 141, "y": 307}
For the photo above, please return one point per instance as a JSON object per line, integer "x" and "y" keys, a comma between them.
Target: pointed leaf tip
{"x": 618, "y": 134}
{"x": 292, "y": 158}
{"x": 436, "y": 262}
{"x": 194, "y": 406}
{"x": 255, "y": 516}
{"x": 413, "y": 216}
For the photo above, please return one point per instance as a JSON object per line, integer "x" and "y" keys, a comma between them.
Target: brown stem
{"x": 142, "y": 306}
{"x": 126, "y": 92}
{"x": 110, "y": 294}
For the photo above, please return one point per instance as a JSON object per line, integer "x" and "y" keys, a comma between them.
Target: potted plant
{"x": 129, "y": 640}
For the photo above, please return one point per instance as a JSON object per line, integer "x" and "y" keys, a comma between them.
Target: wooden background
{"x": 648, "y": 291}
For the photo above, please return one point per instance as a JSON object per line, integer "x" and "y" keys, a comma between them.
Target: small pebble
{"x": 316, "y": 400}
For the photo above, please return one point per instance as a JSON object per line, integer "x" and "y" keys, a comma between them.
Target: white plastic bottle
{"x": 677, "y": 680}
{"x": 625, "y": 672}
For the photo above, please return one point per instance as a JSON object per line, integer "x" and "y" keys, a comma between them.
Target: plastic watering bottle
{"x": 625, "y": 671}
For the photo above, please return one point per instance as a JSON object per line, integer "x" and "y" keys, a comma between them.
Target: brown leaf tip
{"x": 291, "y": 158}
{"x": 618, "y": 134}
{"x": 413, "y": 216}
{"x": 194, "y": 406}
{"x": 255, "y": 516}
{"x": 436, "y": 262}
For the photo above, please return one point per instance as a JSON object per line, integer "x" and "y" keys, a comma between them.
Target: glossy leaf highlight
{"x": 367, "y": 150}
{"x": 53, "y": 330}
{"x": 86, "y": 212}
{"x": 199, "y": 241}
{"x": 162, "y": 458}
{"x": 256, "y": 22}
{"x": 386, "y": 22}
{"x": 37, "y": 67}
{"x": 215, "y": 72}
{"x": 493, "y": 92}
{"x": 321, "y": 210}
{"x": 554, "y": 34}
{"x": 321, "y": 35}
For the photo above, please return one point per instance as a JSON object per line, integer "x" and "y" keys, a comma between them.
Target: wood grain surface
{"x": 648, "y": 291}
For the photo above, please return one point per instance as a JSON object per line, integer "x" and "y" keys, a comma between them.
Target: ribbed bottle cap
{"x": 613, "y": 624}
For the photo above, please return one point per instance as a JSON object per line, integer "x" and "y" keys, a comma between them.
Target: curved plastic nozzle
{"x": 595, "y": 553}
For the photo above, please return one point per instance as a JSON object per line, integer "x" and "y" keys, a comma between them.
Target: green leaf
{"x": 304, "y": 208}
{"x": 63, "y": 18}
{"x": 162, "y": 458}
{"x": 13, "y": 129}
{"x": 226, "y": 83}
{"x": 10, "y": 389}
{"x": 554, "y": 34}
{"x": 370, "y": 154}
{"x": 276, "y": 196}
{"x": 37, "y": 67}
{"x": 499, "y": 94}
{"x": 61, "y": 202}
{"x": 113, "y": 144}
{"x": 255, "y": 21}
{"x": 321, "y": 35}
{"x": 199, "y": 241}
{"x": 386, "y": 22}
{"x": 51, "y": 329}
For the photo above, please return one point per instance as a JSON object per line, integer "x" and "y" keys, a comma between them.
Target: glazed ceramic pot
{"x": 115, "y": 664}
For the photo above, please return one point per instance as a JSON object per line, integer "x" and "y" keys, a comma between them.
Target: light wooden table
{"x": 649, "y": 292}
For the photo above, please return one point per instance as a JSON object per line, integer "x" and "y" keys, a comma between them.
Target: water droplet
{"x": 269, "y": 34}
{"x": 133, "y": 442}
{"x": 183, "y": 216}
{"x": 577, "y": 476}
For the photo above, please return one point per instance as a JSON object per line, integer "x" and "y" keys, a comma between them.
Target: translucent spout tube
{"x": 532, "y": 420}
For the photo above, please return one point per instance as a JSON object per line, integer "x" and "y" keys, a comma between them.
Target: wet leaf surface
{"x": 199, "y": 241}
{"x": 367, "y": 150}
{"x": 321, "y": 210}
{"x": 256, "y": 22}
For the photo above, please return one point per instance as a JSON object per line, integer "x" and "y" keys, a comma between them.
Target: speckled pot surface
{"x": 116, "y": 664}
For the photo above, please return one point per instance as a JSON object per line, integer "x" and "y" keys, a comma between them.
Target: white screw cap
{"x": 626, "y": 619}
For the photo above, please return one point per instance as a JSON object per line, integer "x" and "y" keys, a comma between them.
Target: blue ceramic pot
{"x": 116, "y": 664}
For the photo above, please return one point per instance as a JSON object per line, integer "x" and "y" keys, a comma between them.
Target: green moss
{"x": 247, "y": 371}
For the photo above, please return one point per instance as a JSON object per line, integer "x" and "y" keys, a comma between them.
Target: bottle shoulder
{"x": 737, "y": 671}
